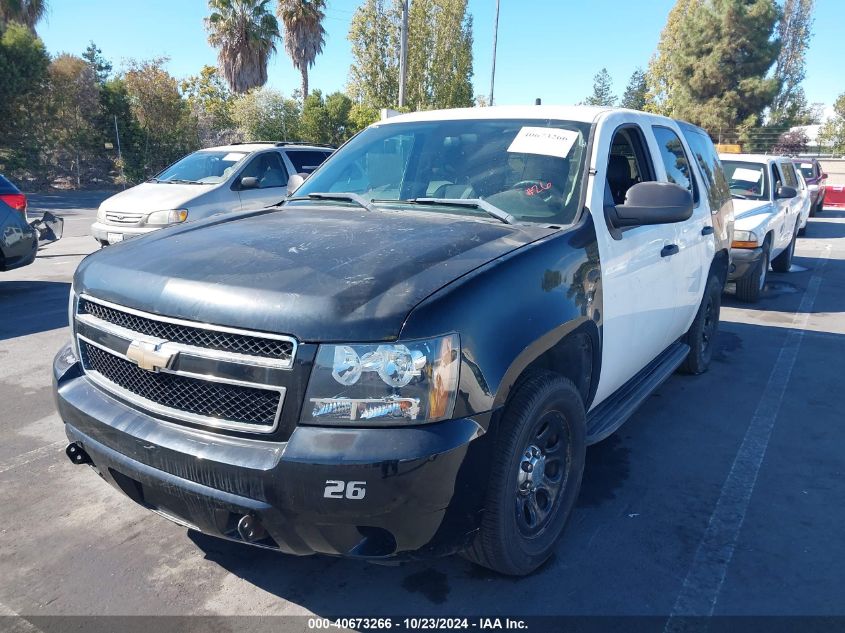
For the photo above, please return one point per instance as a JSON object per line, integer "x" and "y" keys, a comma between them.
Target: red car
{"x": 816, "y": 181}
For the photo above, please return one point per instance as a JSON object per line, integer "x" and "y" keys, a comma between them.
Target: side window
{"x": 675, "y": 159}
{"x": 268, "y": 169}
{"x": 789, "y": 176}
{"x": 715, "y": 184}
{"x": 777, "y": 180}
{"x": 305, "y": 161}
{"x": 627, "y": 164}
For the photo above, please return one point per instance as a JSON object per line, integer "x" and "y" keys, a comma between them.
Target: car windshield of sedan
{"x": 202, "y": 168}
{"x": 526, "y": 170}
{"x": 747, "y": 181}
{"x": 807, "y": 170}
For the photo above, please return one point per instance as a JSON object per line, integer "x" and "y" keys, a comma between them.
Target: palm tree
{"x": 304, "y": 33}
{"x": 245, "y": 32}
{"x": 27, "y": 12}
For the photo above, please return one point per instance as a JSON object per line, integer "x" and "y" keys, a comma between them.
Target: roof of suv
{"x": 585, "y": 114}
{"x": 754, "y": 158}
{"x": 259, "y": 145}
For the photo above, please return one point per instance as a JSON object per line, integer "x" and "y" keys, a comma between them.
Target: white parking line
{"x": 31, "y": 456}
{"x": 706, "y": 575}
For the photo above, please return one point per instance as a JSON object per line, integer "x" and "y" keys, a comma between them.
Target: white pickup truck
{"x": 767, "y": 211}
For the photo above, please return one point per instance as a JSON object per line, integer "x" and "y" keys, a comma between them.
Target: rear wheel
{"x": 536, "y": 475}
{"x": 783, "y": 262}
{"x": 750, "y": 287}
{"x": 701, "y": 337}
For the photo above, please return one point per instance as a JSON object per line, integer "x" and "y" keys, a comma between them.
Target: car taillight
{"x": 15, "y": 200}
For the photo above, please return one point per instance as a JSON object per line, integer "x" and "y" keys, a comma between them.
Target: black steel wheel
{"x": 701, "y": 337}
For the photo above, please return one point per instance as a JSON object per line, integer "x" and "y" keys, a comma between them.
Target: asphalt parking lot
{"x": 723, "y": 494}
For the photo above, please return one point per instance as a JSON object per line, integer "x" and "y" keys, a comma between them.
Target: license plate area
{"x": 115, "y": 237}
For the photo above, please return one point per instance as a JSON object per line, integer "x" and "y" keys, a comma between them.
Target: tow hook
{"x": 77, "y": 454}
{"x": 250, "y": 529}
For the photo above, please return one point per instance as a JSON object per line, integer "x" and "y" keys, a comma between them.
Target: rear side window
{"x": 715, "y": 183}
{"x": 789, "y": 177}
{"x": 306, "y": 161}
{"x": 675, "y": 159}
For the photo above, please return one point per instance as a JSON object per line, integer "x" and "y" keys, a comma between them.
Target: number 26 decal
{"x": 348, "y": 489}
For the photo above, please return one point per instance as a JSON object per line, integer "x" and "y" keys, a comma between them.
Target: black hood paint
{"x": 320, "y": 273}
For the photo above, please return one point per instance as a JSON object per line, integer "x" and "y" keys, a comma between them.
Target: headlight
{"x": 745, "y": 239}
{"x": 373, "y": 384}
{"x": 167, "y": 217}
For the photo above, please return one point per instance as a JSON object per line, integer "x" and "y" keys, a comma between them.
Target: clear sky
{"x": 547, "y": 48}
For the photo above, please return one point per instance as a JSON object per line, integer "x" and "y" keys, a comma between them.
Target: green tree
{"x": 245, "y": 34}
{"x": 100, "y": 65}
{"x": 24, "y": 61}
{"x": 361, "y": 116}
{"x": 832, "y": 132}
{"x": 794, "y": 32}
{"x": 661, "y": 68}
{"x": 439, "y": 55}
{"x": 304, "y": 33}
{"x": 210, "y": 102}
{"x": 74, "y": 105}
{"x": 26, "y": 12}
{"x": 374, "y": 35}
{"x": 602, "y": 90}
{"x": 163, "y": 116}
{"x": 326, "y": 120}
{"x": 636, "y": 91}
{"x": 267, "y": 115}
{"x": 118, "y": 122}
{"x": 719, "y": 77}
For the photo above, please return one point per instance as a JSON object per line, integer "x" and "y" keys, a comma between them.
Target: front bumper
{"x": 743, "y": 261}
{"x": 424, "y": 486}
{"x": 104, "y": 233}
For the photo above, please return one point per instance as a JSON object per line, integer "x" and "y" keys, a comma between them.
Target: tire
{"x": 523, "y": 516}
{"x": 750, "y": 287}
{"x": 783, "y": 262}
{"x": 701, "y": 337}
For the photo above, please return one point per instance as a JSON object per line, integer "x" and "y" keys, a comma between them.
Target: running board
{"x": 612, "y": 413}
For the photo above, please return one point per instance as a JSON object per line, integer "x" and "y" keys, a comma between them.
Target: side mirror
{"x": 823, "y": 176}
{"x": 652, "y": 203}
{"x": 249, "y": 182}
{"x": 786, "y": 192}
{"x": 295, "y": 182}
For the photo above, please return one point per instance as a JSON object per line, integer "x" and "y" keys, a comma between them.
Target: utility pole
{"x": 119, "y": 155}
{"x": 495, "y": 35}
{"x": 403, "y": 53}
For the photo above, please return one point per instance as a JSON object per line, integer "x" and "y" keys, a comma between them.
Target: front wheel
{"x": 750, "y": 287}
{"x": 701, "y": 337}
{"x": 783, "y": 262}
{"x": 537, "y": 467}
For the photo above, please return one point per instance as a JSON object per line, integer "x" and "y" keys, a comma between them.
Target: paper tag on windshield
{"x": 548, "y": 141}
{"x": 748, "y": 175}
{"x": 233, "y": 157}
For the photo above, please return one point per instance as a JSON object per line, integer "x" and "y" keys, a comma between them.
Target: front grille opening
{"x": 220, "y": 401}
{"x": 198, "y": 337}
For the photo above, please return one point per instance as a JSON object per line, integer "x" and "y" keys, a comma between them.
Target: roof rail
{"x": 283, "y": 143}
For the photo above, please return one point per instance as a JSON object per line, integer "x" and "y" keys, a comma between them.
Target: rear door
{"x": 268, "y": 169}
{"x": 638, "y": 285}
{"x": 696, "y": 247}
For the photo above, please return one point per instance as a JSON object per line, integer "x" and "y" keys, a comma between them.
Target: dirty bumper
{"x": 369, "y": 493}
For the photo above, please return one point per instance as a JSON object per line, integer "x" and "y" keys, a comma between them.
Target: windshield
{"x": 806, "y": 169}
{"x": 530, "y": 169}
{"x": 202, "y": 168}
{"x": 748, "y": 181}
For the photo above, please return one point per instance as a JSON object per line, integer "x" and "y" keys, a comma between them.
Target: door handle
{"x": 669, "y": 250}
{"x": 707, "y": 230}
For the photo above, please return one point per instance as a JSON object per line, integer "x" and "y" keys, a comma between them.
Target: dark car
{"x": 19, "y": 239}
{"x": 409, "y": 357}
{"x": 816, "y": 180}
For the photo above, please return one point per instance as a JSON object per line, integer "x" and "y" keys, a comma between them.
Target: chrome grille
{"x": 235, "y": 403}
{"x": 115, "y": 217}
{"x": 184, "y": 370}
{"x": 236, "y": 343}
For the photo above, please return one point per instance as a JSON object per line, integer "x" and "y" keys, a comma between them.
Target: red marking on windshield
{"x": 538, "y": 188}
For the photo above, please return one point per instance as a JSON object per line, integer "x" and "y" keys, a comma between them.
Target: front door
{"x": 272, "y": 177}
{"x": 638, "y": 284}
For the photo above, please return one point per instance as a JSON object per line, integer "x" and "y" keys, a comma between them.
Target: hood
{"x": 747, "y": 208}
{"x": 153, "y": 196}
{"x": 319, "y": 273}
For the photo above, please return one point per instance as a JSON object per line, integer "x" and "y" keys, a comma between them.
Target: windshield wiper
{"x": 469, "y": 203}
{"x": 343, "y": 196}
{"x": 182, "y": 181}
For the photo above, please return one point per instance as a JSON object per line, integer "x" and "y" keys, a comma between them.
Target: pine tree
{"x": 99, "y": 65}
{"x": 661, "y": 68}
{"x": 635, "y": 94}
{"x": 602, "y": 90}
{"x": 719, "y": 76}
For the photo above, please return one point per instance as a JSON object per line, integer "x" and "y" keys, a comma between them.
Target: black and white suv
{"x": 410, "y": 356}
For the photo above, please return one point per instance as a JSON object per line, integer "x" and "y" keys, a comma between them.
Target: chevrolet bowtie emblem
{"x": 150, "y": 356}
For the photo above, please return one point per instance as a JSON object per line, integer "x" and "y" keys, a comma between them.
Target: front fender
{"x": 513, "y": 310}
